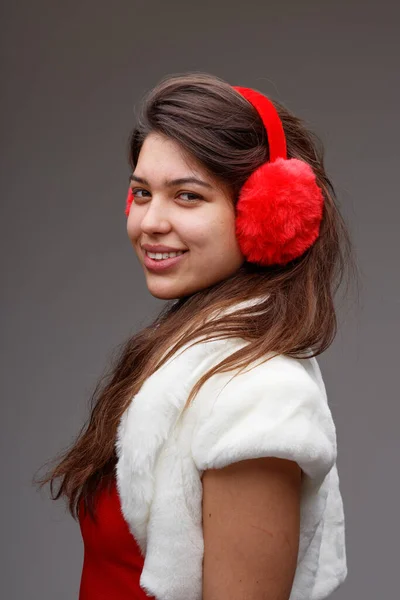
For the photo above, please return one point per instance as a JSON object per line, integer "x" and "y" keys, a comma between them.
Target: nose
{"x": 155, "y": 218}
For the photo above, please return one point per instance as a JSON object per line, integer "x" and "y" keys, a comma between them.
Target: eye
{"x": 135, "y": 192}
{"x": 192, "y": 197}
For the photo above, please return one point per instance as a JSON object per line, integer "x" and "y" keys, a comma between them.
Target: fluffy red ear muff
{"x": 280, "y": 206}
{"x": 278, "y": 212}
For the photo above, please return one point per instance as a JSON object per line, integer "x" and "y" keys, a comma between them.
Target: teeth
{"x": 162, "y": 255}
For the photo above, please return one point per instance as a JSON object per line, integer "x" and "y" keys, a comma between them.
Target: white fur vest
{"x": 278, "y": 408}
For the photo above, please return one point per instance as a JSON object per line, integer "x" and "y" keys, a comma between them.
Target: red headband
{"x": 271, "y": 120}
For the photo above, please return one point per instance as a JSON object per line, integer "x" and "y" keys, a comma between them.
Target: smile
{"x": 162, "y": 264}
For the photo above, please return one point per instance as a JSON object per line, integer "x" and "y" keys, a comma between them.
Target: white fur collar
{"x": 149, "y": 421}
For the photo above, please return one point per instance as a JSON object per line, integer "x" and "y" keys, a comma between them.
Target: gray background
{"x": 72, "y": 288}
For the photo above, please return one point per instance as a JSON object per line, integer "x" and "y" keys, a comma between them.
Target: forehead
{"x": 161, "y": 156}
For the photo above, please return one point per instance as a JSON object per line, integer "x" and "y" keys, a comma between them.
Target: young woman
{"x": 207, "y": 469}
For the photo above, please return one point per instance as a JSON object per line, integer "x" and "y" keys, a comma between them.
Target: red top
{"x": 112, "y": 562}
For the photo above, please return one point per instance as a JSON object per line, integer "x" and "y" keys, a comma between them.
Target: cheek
{"x": 222, "y": 229}
{"x": 131, "y": 212}
{"x": 132, "y": 226}
{"x": 219, "y": 226}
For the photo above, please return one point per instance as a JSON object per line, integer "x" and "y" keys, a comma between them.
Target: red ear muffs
{"x": 280, "y": 206}
{"x": 278, "y": 212}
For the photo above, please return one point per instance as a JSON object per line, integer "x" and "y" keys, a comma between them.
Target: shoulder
{"x": 272, "y": 385}
{"x": 275, "y": 408}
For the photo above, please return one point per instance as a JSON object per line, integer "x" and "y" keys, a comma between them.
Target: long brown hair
{"x": 218, "y": 127}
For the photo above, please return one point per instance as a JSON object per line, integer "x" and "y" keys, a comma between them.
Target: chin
{"x": 165, "y": 294}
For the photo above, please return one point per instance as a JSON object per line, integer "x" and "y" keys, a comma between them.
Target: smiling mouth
{"x": 163, "y": 264}
{"x": 160, "y": 255}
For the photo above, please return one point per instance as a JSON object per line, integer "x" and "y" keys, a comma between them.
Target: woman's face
{"x": 198, "y": 218}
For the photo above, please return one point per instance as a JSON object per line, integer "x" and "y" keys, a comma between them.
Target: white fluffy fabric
{"x": 278, "y": 408}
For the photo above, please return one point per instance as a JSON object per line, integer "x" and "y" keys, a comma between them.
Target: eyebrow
{"x": 172, "y": 182}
